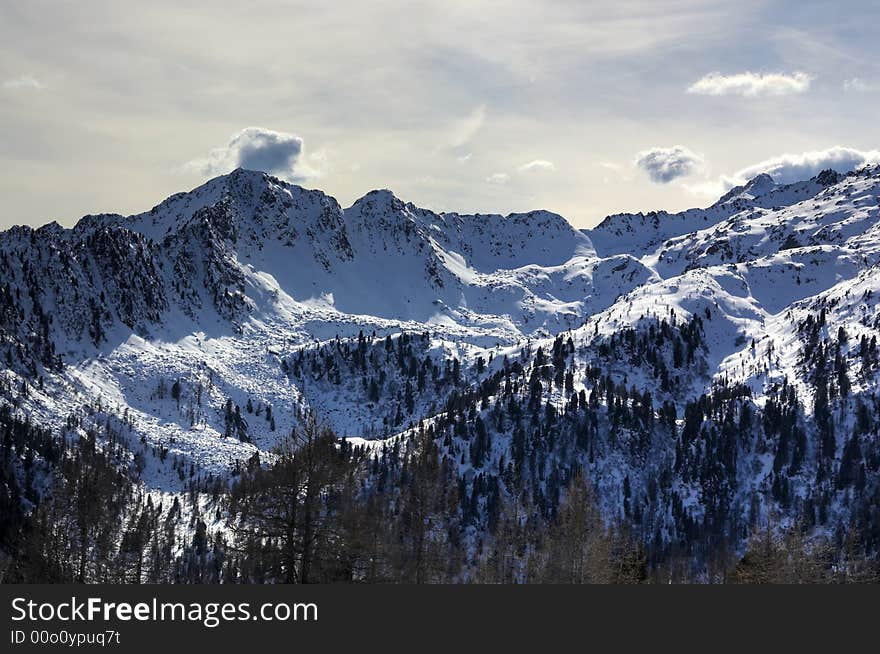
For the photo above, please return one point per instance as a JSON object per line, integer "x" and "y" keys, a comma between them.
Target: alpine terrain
{"x": 251, "y": 383}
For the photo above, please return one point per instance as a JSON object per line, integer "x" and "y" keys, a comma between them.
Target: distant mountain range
{"x": 706, "y": 370}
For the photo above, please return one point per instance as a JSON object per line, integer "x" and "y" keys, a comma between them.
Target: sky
{"x": 582, "y": 108}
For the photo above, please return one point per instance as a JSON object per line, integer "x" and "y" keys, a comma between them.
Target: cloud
{"x": 463, "y": 130}
{"x": 498, "y": 178}
{"x": 536, "y": 165}
{"x": 666, "y": 164}
{"x": 751, "y": 85}
{"x": 788, "y": 168}
{"x": 858, "y": 85}
{"x": 23, "y": 82}
{"x": 257, "y": 148}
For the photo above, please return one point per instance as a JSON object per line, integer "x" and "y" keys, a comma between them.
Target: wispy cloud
{"x": 858, "y": 85}
{"x": 751, "y": 85}
{"x": 464, "y": 129}
{"x": 664, "y": 165}
{"x": 498, "y": 178}
{"x": 537, "y": 164}
{"x": 23, "y": 82}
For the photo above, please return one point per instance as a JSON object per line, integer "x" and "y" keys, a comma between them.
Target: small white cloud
{"x": 858, "y": 85}
{"x": 498, "y": 178}
{"x": 529, "y": 167}
{"x": 610, "y": 165}
{"x": 23, "y": 82}
{"x": 751, "y": 85}
{"x": 258, "y": 148}
{"x": 537, "y": 164}
{"x": 465, "y": 158}
{"x": 666, "y": 164}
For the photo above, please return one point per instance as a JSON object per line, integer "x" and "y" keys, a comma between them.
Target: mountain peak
{"x": 828, "y": 177}
{"x": 760, "y": 181}
{"x": 247, "y": 173}
{"x": 756, "y": 187}
{"x": 380, "y": 199}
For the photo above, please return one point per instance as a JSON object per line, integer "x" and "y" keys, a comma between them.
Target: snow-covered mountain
{"x": 212, "y": 323}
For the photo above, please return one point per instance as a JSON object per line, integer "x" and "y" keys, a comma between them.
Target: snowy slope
{"x": 212, "y": 322}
